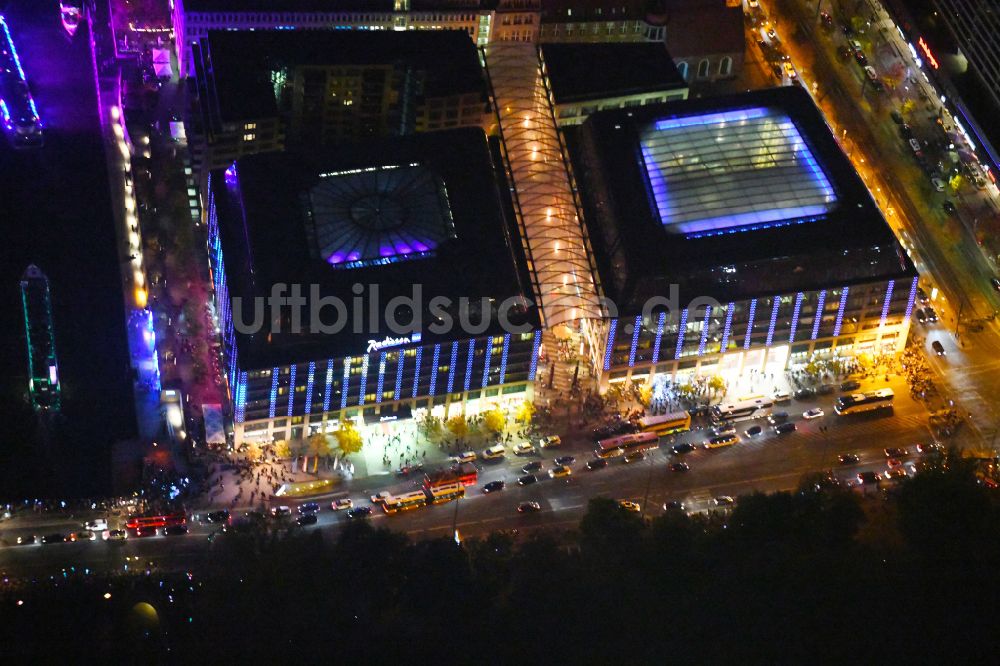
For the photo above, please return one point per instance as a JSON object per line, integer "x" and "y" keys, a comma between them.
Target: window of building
{"x": 725, "y": 66}
{"x": 703, "y": 68}
{"x": 682, "y": 67}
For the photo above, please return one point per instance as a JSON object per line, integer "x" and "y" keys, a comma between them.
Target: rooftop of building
{"x": 244, "y": 6}
{"x": 704, "y": 27}
{"x": 427, "y": 211}
{"x": 246, "y": 66}
{"x": 728, "y": 197}
{"x": 579, "y": 72}
{"x": 576, "y": 11}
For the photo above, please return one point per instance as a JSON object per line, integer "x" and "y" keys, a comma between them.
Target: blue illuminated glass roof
{"x": 732, "y": 171}
{"x": 379, "y": 215}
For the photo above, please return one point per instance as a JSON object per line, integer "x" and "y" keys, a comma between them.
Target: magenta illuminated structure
{"x": 21, "y": 121}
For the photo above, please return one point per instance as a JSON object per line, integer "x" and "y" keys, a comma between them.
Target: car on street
{"x": 359, "y": 512}
{"x": 805, "y": 393}
{"x": 861, "y": 58}
{"x": 938, "y": 184}
{"x": 906, "y": 131}
{"x": 897, "y": 117}
{"x": 724, "y": 500}
{"x": 221, "y": 516}
{"x": 309, "y": 507}
{"x": 533, "y": 466}
{"x": 868, "y": 478}
{"x": 618, "y": 427}
{"x": 26, "y": 540}
{"x": 850, "y": 385}
{"x": 938, "y": 347}
{"x": 116, "y": 535}
{"x": 629, "y": 505}
{"x": 826, "y": 20}
{"x": 753, "y": 431}
{"x": 527, "y": 480}
{"x": 782, "y": 396}
{"x": 54, "y": 538}
{"x": 774, "y": 418}
{"x": 721, "y": 441}
{"x": 682, "y": 448}
{"x": 813, "y": 413}
{"x": 784, "y": 428}
{"x": 995, "y": 282}
{"x": 523, "y": 449}
{"x": 921, "y": 315}
{"x": 915, "y": 147}
{"x": 949, "y": 207}
{"x": 494, "y": 486}
{"x": 306, "y": 519}
{"x": 922, "y": 296}
{"x": 635, "y": 456}
{"x": 723, "y": 430}
{"x": 895, "y": 452}
{"x": 378, "y": 498}
{"x": 564, "y": 460}
{"x": 849, "y": 458}
{"x": 893, "y": 462}
{"x": 467, "y": 456}
{"x": 680, "y": 467}
{"x": 83, "y": 535}
{"x": 342, "y": 504}
{"x": 931, "y": 314}
{"x": 825, "y": 389}
{"x": 529, "y": 507}
{"x": 789, "y": 70}
{"x": 98, "y": 525}
{"x": 550, "y": 442}
{"x": 871, "y": 73}
{"x": 674, "y": 505}
{"x": 559, "y": 471}
{"x": 494, "y": 452}
{"x": 175, "y": 530}
{"x": 778, "y": 71}
{"x": 897, "y": 474}
{"x": 929, "y": 448}
{"x": 596, "y": 463}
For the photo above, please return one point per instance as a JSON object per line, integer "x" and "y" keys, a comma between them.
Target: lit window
{"x": 249, "y": 137}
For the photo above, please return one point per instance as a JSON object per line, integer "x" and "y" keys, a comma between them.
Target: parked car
{"x": 523, "y": 449}
{"x": 494, "y": 452}
{"x": 467, "y": 456}
{"x": 550, "y": 442}
{"x": 938, "y": 347}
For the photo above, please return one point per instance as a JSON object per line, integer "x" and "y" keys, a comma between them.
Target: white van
{"x": 494, "y": 452}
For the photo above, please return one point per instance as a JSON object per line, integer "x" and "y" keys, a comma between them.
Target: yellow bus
{"x": 445, "y": 492}
{"x": 404, "y": 502}
{"x": 666, "y": 424}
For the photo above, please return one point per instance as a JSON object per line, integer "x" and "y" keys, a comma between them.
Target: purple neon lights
{"x": 886, "y": 303}
{"x": 291, "y": 388}
{"x": 327, "y": 384}
{"x": 535, "y": 348}
{"x": 364, "y": 380}
{"x": 728, "y": 328}
{"x": 400, "y": 361}
{"x": 310, "y": 383}
{"x": 660, "y": 323}
{"x": 774, "y": 320}
{"x": 380, "y": 386}
{"x": 681, "y": 330}
{"x": 750, "y": 318}
{"x": 840, "y": 311}
{"x": 610, "y": 346}
{"x": 503, "y": 357}
{"x": 451, "y": 366}
{"x": 346, "y": 382}
{"x": 273, "y": 405}
{"x": 795, "y": 315}
{"x": 636, "y": 328}
{"x": 912, "y": 299}
{"x": 468, "y": 365}
{"x": 818, "y": 315}
{"x": 486, "y": 362}
{"x": 704, "y": 330}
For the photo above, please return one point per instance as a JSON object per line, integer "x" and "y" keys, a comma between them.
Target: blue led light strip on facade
{"x": 818, "y": 315}
{"x": 887, "y": 303}
{"x": 468, "y": 364}
{"x": 913, "y": 298}
{"x": 291, "y": 388}
{"x": 535, "y": 347}
{"x": 704, "y": 330}
{"x": 380, "y": 386}
{"x": 241, "y": 398}
{"x": 727, "y": 329}
{"x": 795, "y": 315}
{"x": 272, "y": 408}
{"x": 327, "y": 384}
{"x": 364, "y": 380}
{"x": 435, "y": 364}
{"x": 750, "y": 316}
{"x": 346, "y": 383}
{"x": 397, "y": 391}
{"x": 840, "y": 311}
{"x": 659, "y": 334}
{"x": 451, "y": 366}
{"x": 774, "y": 320}
{"x": 681, "y": 329}
{"x": 636, "y": 327}
{"x": 416, "y": 370}
{"x": 612, "y": 329}
{"x": 486, "y": 363}
{"x": 503, "y": 357}
{"x": 310, "y": 383}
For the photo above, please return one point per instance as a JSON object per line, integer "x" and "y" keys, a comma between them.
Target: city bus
{"x": 666, "y": 424}
{"x": 464, "y": 473}
{"x": 864, "y": 402}
{"x": 404, "y": 502}
{"x": 751, "y": 408}
{"x": 625, "y": 444}
{"x": 445, "y": 493}
{"x": 148, "y": 525}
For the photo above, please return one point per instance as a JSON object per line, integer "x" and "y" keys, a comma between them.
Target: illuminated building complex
{"x": 429, "y": 211}
{"x": 43, "y": 368}
{"x": 484, "y": 21}
{"x": 748, "y": 201}
{"x": 267, "y": 90}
